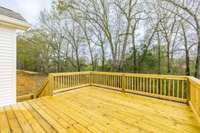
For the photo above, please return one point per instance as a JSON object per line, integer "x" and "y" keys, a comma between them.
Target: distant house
{"x": 10, "y": 21}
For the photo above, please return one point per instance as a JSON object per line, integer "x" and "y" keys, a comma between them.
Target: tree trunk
{"x": 58, "y": 61}
{"x": 194, "y": 16}
{"x": 198, "y": 53}
{"x": 129, "y": 20}
{"x": 187, "y": 57}
{"x": 103, "y": 57}
{"x": 168, "y": 56}
{"x": 134, "y": 49}
{"x": 77, "y": 61}
{"x": 159, "y": 54}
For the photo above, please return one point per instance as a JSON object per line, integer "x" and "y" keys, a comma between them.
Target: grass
{"x": 29, "y": 82}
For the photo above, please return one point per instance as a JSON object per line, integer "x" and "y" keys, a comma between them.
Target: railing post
{"x": 123, "y": 82}
{"x": 188, "y": 89}
{"x": 51, "y": 84}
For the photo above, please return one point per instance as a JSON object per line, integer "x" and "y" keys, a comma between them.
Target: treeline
{"x": 154, "y": 36}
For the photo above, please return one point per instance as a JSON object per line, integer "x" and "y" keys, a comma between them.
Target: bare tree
{"x": 187, "y": 57}
{"x": 193, "y": 12}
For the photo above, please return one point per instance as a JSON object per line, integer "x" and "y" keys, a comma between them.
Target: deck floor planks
{"x": 103, "y": 123}
{"x": 61, "y": 119}
{"x": 186, "y": 113}
{"x": 66, "y": 117}
{"x": 24, "y": 124}
{"x": 4, "y": 125}
{"x": 49, "y": 118}
{"x": 163, "y": 118}
{"x": 117, "y": 113}
{"x": 12, "y": 120}
{"x": 93, "y": 109}
{"x": 33, "y": 123}
{"x": 81, "y": 116}
{"x": 148, "y": 116}
{"x": 135, "y": 106}
{"x": 43, "y": 123}
{"x": 148, "y": 104}
{"x": 107, "y": 120}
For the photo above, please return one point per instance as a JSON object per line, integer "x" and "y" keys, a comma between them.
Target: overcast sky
{"x": 29, "y": 9}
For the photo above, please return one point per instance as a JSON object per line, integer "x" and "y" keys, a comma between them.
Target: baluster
{"x": 169, "y": 87}
{"x": 147, "y": 85}
{"x": 161, "y": 86}
{"x": 153, "y": 85}
{"x": 132, "y": 82}
{"x": 157, "y": 86}
{"x": 173, "y": 87}
{"x": 178, "y": 89}
{"x": 183, "y": 89}
{"x": 150, "y": 86}
{"x": 165, "y": 87}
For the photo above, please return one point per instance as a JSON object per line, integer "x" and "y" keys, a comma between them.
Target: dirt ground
{"x": 28, "y": 82}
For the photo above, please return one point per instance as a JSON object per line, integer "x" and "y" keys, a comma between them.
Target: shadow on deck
{"x": 95, "y": 109}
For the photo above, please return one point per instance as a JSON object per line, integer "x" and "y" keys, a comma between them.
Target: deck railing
{"x": 44, "y": 90}
{"x": 194, "y": 100}
{"x": 160, "y": 86}
{"x": 170, "y": 87}
{"x": 60, "y": 82}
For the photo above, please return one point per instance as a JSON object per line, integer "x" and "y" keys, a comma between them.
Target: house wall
{"x": 7, "y": 66}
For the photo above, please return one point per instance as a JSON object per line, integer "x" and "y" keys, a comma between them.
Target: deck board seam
{"x": 24, "y": 118}
{"x": 103, "y": 118}
{"x": 7, "y": 119}
{"x": 55, "y": 121}
{"x": 44, "y": 102}
{"x": 58, "y": 102}
{"x": 107, "y": 104}
{"x": 15, "y": 118}
{"x": 79, "y": 96}
{"x": 42, "y": 117}
{"x": 33, "y": 119}
{"x": 36, "y": 114}
{"x": 56, "y": 115}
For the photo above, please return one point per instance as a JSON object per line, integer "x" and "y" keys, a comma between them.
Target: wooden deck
{"x": 92, "y": 109}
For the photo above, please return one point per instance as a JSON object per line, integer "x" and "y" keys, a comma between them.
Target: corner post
{"x": 188, "y": 89}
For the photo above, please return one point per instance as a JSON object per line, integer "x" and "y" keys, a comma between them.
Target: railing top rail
{"x": 177, "y": 77}
{"x": 69, "y": 73}
{"x": 194, "y": 80}
{"x": 145, "y": 75}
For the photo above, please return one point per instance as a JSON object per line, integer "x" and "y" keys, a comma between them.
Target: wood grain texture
{"x": 94, "y": 109}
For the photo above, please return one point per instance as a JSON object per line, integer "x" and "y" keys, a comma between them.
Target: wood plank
{"x": 88, "y": 120}
{"x": 65, "y": 116}
{"x": 48, "y": 118}
{"x": 66, "y": 122}
{"x": 112, "y": 124}
{"x": 123, "y": 115}
{"x": 12, "y": 120}
{"x": 4, "y": 125}
{"x": 22, "y": 120}
{"x": 46, "y": 126}
{"x": 33, "y": 123}
{"x": 149, "y": 115}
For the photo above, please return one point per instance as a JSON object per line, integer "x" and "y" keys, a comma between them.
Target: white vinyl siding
{"x": 7, "y": 66}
